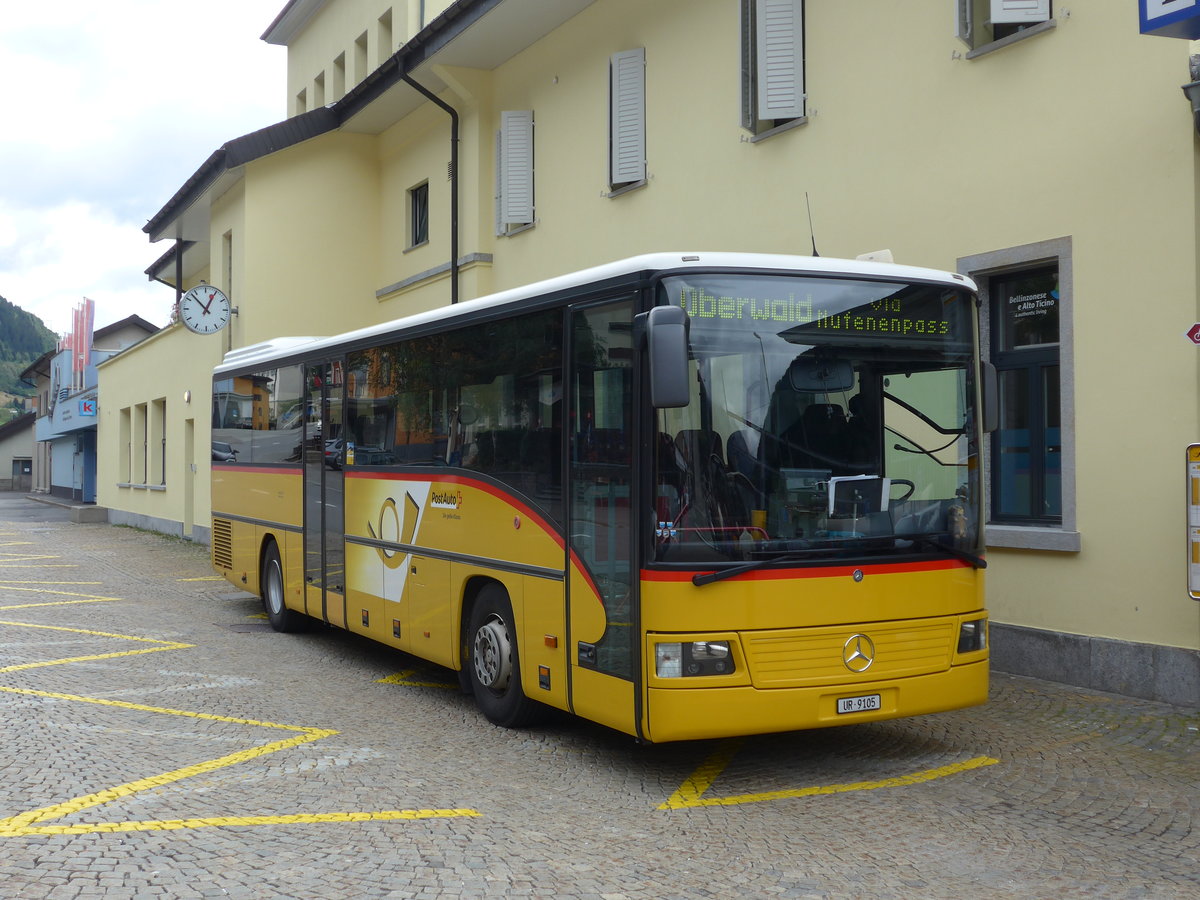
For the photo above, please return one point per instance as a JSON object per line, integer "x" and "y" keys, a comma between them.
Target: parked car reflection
{"x": 223, "y": 452}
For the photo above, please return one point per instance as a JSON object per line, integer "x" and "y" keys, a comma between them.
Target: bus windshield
{"x": 829, "y": 418}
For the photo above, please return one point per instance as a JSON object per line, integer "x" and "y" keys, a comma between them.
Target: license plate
{"x": 865, "y": 703}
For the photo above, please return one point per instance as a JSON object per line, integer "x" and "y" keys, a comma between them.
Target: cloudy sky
{"x": 110, "y": 106}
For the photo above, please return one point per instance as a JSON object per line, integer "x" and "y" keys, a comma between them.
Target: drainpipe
{"x": 178, "y": 270}
{"x": 453, "y": 180}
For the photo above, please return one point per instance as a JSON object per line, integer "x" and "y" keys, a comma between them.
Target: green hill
{"x": 23, "y": 338}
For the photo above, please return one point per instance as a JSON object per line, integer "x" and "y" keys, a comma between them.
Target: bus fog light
{"x": 692, "y": 658}
{"x": 972, "y": 636}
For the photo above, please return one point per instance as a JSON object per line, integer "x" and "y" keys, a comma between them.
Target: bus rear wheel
{"x": 280, "y": 617}
{"x": 493, "y": 664}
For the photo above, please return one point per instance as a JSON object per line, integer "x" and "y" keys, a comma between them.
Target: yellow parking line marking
{"x": 6, "y": 581}
{"x": 167, "y": 645}
{"x": 84, "y": 598}
{"x": 388, "y": 815}
{"x": 405, "y": 678}
{"x": 30, "y": 822}
{"x": 59, "y": 603}
{"x": 690, "y": 793}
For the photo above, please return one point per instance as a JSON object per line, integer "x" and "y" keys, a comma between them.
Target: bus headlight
{"x": 972, "y": 636}
{"x": 675, "y": 660}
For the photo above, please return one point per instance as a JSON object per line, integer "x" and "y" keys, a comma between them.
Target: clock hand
{"x": 209, "y": 303}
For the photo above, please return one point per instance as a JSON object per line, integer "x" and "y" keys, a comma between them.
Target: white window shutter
{"x": 963, "y": 21}
{"x": 1020, "y": 12}
{"x": 780, "y": 53}
{"x": 516, "y": 166}
{"x": 627, "y": 128}
{"x": 498, "y": 197}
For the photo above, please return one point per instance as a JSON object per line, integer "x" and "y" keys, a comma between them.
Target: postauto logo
{"x": 445, "y": 499}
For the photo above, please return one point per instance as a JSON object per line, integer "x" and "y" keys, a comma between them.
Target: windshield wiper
{"x": 701, "y": 579}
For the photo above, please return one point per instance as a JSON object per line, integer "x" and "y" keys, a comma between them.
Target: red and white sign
{"x": 1193, "y": 334}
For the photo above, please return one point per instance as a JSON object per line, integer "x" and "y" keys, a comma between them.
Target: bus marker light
{"x": 972, "y": 636}
{"x": 517, "y": 522}
{"x": 551, "y": 641}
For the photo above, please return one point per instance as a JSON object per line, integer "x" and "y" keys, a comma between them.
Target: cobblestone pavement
{"x": 158, "y": 740}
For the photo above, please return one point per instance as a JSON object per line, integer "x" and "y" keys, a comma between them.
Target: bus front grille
{"x": 801, "y": 657}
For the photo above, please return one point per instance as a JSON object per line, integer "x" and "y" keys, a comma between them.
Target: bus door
{"x": 324, "y": 512}
{"x": 601, "y": 565}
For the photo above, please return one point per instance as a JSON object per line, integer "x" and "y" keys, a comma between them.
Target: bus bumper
{"x": 678, "y": 714}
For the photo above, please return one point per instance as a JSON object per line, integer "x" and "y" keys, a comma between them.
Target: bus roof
{"x": 286, "y": 347}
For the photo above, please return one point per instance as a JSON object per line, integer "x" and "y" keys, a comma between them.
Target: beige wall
{"x": 1080, "y": 132}
{"x": 174, "y": 368}
{"x": 339, "y": 31}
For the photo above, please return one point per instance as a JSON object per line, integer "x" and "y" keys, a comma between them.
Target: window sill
{"x": 778, "y": 129}
{"x": 138, "y": 486}
{"x": 517, "y": 229}
{"x": 416, "y": 246}
{"x": 1027, "y": 537}
{"x": 626, "y": 188}
{"x": 1031, "y": 31}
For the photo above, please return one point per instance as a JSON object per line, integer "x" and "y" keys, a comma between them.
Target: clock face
{"x": 204, "y": 309}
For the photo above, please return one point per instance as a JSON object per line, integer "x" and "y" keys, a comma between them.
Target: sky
{"x": 109, "y": 107}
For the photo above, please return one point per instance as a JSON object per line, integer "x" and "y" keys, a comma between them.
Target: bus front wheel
{"x": 280, "y": 617}
{"x": 493, "y": 665}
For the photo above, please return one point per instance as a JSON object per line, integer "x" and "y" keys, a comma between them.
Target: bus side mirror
{"x": 990, "y": 389}
{"x": 667, "y": 348}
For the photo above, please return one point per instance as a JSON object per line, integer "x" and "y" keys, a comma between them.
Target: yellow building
{"x": 440, "y": 151}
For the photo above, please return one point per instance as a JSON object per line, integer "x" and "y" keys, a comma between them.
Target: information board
{"x": 1170, "y": 18}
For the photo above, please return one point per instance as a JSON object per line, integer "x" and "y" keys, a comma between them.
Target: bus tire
{"x": 280, "y": 617}
{"x": 493, "y": 662}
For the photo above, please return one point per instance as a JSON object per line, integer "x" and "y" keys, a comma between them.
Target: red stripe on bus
{"x": 935, "y": 565}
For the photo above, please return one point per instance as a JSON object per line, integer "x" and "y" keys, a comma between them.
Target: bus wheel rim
{"x": 274, "y": 590}
{"x": 493, "y": 655}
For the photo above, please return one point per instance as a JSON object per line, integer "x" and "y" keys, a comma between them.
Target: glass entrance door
{"x": 324, "y": 516}
{"x": 603, "y": 614}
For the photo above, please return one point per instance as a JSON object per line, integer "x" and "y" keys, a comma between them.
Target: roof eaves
{"x": 40, "y": 366}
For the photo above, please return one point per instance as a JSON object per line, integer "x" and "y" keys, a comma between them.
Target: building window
{"x": 125, "y": 438}
{"x": 302, "y": 102}
{"x": 1027, "y": 447}
{"x": 384, "y": 33}
{"x": 772, "y": 64}
{"x": 157, "y": 443}
{"x": 360, "y": 58}
{"x": 140, "y": 443}
{"x": 985, "y": 25}
{"x": 1027, "y": 333}
{"x": 418, "y": 215}
{"x": 627, "y": 118}
{"x": 339, "y": 76}
{"x": 514, "y": 171}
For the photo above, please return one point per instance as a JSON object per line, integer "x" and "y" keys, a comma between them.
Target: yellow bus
{"x": 682, "y": 495}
